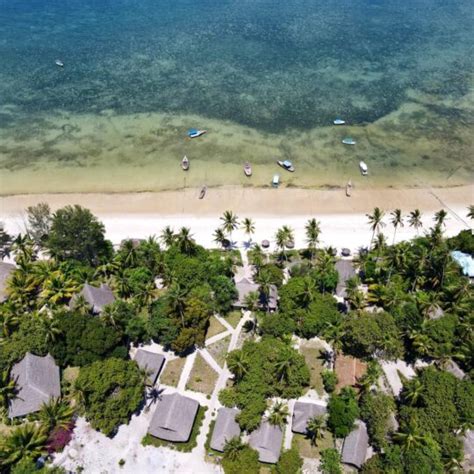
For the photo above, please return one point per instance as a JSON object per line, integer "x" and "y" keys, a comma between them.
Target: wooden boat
{"x": 59, "y": 63}
{"x": 203, "y": 192}
{"x": 349, "y": 188}
{"x": 287, "y": 165}
{"x": 276, "y": 180}
{"x": 339, "y": 121}
{"x": 247, "y": 169}
{"x": 185, "y": 163}
{"x": 349, "y": 141}
{"x": 364, "y": 170}
{"x": 194, "y": 132}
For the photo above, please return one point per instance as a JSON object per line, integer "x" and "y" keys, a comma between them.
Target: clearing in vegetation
{"x": 218, "y": 350}
{"x": 311, "y": 352}
{"x": 172, "y": 371}
{"x": 215, "y": 327}
{"x": 202, "y": 378}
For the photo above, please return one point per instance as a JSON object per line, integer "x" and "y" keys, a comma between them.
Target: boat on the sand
{"x": 364, "y": 170}
{"x": 287, "y": 165}
{"x": 276, "y": 180}
{"x": 203, "y": 192}
{"x": 247, "y": 169}
{"x": 59, "y": 63}
{"x": 349, "y": 141}
{"x": 349, "y": 188}
{"x": 194, "y": 132}
{"x": 185, "y": 163}
{"x": 339, "y": 121}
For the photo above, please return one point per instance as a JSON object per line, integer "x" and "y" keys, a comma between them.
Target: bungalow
{"x": 468, "y": 445}
{"x": 225, "y": 428}
{"x": 245, "y": 287}
{"x": 5, "y": 271}
{"x": 454, "y": 369}
{"x": 346, "y": 270}
{"x": 354, "y": 449}
{"x": 37, "y": 382}
{"x": 174, "y": 417}
{"x": 302, "y": 413}
{"x": 151, "y": 362}
{"x": 97, "y": 298}
{"x": 348, "y": 370}
{"x": 267, "y": 441}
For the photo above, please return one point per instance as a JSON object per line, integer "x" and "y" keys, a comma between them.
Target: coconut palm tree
{"x": 440, "y": 217}
{"x": 219, "y": 237}
{"x": 230, "y": 222}
{"x": 396, "y": 221}
{"x": 58, "y": 289}
{"x": 232, "y": 448}
{"x": 315, "y": 429}
{"x": 370, "y": 378}
{"x": 128, "y": 254}
{"x": 411, "y": 438}
{"x": 177, "y": 297}
{"x": 185, "y": 241}
{"x": 56, "y": 413}
{"x": 27, "y": 440}
{"x": 238, "y": 364}
{"x": 264, "y": 281}
{"x": 284, "y": 364}
{"x": 52, "y": 330}
{"x": 249, "y": 228}
{"x": 414, "y": 219}
{"x": 9, "y": 320}
{"x": 80, "y": 305}
{"x": 278, "y": 414}
{"x": 470, "y": 211}
{"x": 283, "y": 236}
{"x": 153, "y": 395}
{"x": 413, "y": 391}
{"x": 167, "y": 236}
{"x": 8, "y": 389}
{"x": 21, "y": 288}
{"x": 375, "y": 221}
{"x": 308, "y": 292}
{"x": 312, "y": 230}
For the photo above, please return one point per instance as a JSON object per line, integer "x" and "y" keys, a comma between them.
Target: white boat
{"x": 349, "y": 141}
{"x": 287, "y": 165}
{"x": 339, "y": 121}
{"x": 185, "y": 163}
{"x": 194, "y": 132}
{"x": 276, "y": 180}
{"x": 59, "y": 63}
{"x": 364, "y": 170}
{"x": 247, "y": 169}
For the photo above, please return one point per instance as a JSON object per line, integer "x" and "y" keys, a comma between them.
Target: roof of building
{"x": 267, "y": 441}
{"x": 37, "y": 381}
{"x": 454, "y": 369}
{"x": 468, "y": 444}
{"x": 303, "y": 412}
{"x": 354, "y": 449}
{"x": 346, "y": 270}
{"x": 225, "y": 428}
{"x": 151, "y": 362}
{"x": 5, "y": 270}
{"x": 97, "y": 298}
{"x": 348, "y": 370}
{"x": 245, "y": 286}
{"x": 174, "y": 417}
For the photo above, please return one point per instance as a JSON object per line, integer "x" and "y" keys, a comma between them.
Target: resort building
{"x": 348, "y": 370}
{"x": 245, "y": 287}
{"x": 346, "y": 270}
{"x": 468, "y": 445}
{"x": 225, "y": 428}
{"x": 37, "y": 382}
{"x": 151, "y": 363}
{"x": 97, "y": 298}
{"x": 5, "y": 271}
{"x": 302, "y": 413}
{"x": 354, "y": 449}
{"x": 267, "y": 441}
{"x": 174, "y": 417}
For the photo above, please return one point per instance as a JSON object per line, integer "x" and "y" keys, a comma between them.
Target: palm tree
{"x": 264, "y": 281}
{"x": 153, "y": 395}
{"x": 414, "y": 219}
{"x": 315, "y": 429}
{"x": 278, "y": 415}
{"x": 396, "y": 221}
{"x": 129, "y": 254}
{"x": 230, "y": 222}
{"x": 413, "y": 391}
{"x": 58, "y": 289}
{"x": 380, "y": 243}
{"x": 284, "y": 364}
{"x": 283, "y": 236}
{"x": 232, "y": 448}
{"x": 440, "y": 217}
{"x": 238, "y": 364}
{"x": 219, "y": 237}
{"x": 185, "y": 241}
{"x": 411, "y": 438}
{"x": 470, "y": 211}
{"x": 9, "y": 321}
{"x": 52, "y": 330}
{"x": 56, "y": 413}
{"x": 313, "y": 230}
{"x": 251, "y": 301}
{"x": 308, "y": 292}
{"x": 176, "y": 297}
{"x": 8, "y": 389}
{"x": 370, "y": 378}
{"x": 80, "y": 305}
{"x": 249, "y": 227}
{"x": 375, "y": 221}
{"x": 168, "y": 236}
{"x": 27, "y": 440}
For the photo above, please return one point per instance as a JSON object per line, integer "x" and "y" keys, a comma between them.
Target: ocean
{"x": 265, "y": 78}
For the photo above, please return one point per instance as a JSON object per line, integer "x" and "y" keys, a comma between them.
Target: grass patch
{"x": 307, "y": 450}
{"x": 172, "y": 371}
{"x": 215, "y": 327}
{"x": 233, "y": 318}
{"x": 311, "y": 353}
{"x": 218, "y": 350}
{"x": 203, "y": 377}
{"x": 187, "y": 447}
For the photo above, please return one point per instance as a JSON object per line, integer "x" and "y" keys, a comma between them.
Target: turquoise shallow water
{"x": 398, "y": 71}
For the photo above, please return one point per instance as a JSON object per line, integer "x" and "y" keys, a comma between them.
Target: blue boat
{"x": 194, "y": 132}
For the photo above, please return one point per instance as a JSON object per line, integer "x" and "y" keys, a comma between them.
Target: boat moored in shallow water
{"x": 349, "y": 141}
{"x": 276, "y": 180}
{"x": 339, "y": 121}
{"x": 287, "y": 165}
{"x": 247, "y": 169}
{"x": 59, "y": 63}
{"x": 364, "y": 170}
{"x": 194, "y": 132}
{"x": 185, "y": 163}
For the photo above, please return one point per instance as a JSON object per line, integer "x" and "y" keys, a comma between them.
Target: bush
{"x": 329, "y": 380}
{"x": 376, "y": 410}
{"x": 343, "y": 411}
{"x": 290, "y": 462}
{"x": 330, "y": 462}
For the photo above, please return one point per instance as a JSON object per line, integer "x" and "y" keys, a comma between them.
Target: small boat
{"x": 287, "y": 165}
{"x": 185, "y": 163}
{"x": 59, "y": 63}
{"x": 276, "y": 180}
{"x": 349, "y": 141}
{"x": 339, "y": 121}
{"x": 349, "y": 188}
{"x": 364, "y": 170}
{"x": 194, "y": 132}
{"x": 247, "y": 169}
{"x": 203, "y": 192}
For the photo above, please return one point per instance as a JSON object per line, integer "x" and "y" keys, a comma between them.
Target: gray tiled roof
{"x": 173, "y": 419}
{"x": 354, "y": 449}
{"x": 245, "y": 286}
{"x": 37, "y": 380}
{"x": 96, "y": 297}
{"x": 468, "y": 444}
{"x": 454, "y": 369}
{"x": 267, "y": 441}
{"x": 151, "y": 362}
{"x": 5, "y": 270}
{"x": 346, "y": 270}
{"x": 225, "y": 428}
{"x": 303, "y": 412}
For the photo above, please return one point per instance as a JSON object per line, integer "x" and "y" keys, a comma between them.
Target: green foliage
{"x": 268, "y": 368}
{"x": 276, "y": 325}
{"x": 77, "y": 234}
{"x": 376, "y": 410}
{"x": 330, "y": 462}
{"x": 39, "y": 222}
{"x": 343, "y": 411}
{"x": 225, "y": 293}
{"x": 242, "y": 460}
{"x": 464, "y": 242}
{"x": 110, "y": 392}
{"x": 329, "y": 380}
{"x": 290, "y": 462}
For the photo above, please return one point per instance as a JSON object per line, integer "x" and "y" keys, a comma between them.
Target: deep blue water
{"x": 272, "y": 65}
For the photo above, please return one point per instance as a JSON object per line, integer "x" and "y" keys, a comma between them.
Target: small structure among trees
{"x": 96, "y": 298}
{"x": 267, "y": 441}
{"x": 354, "y": 449}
